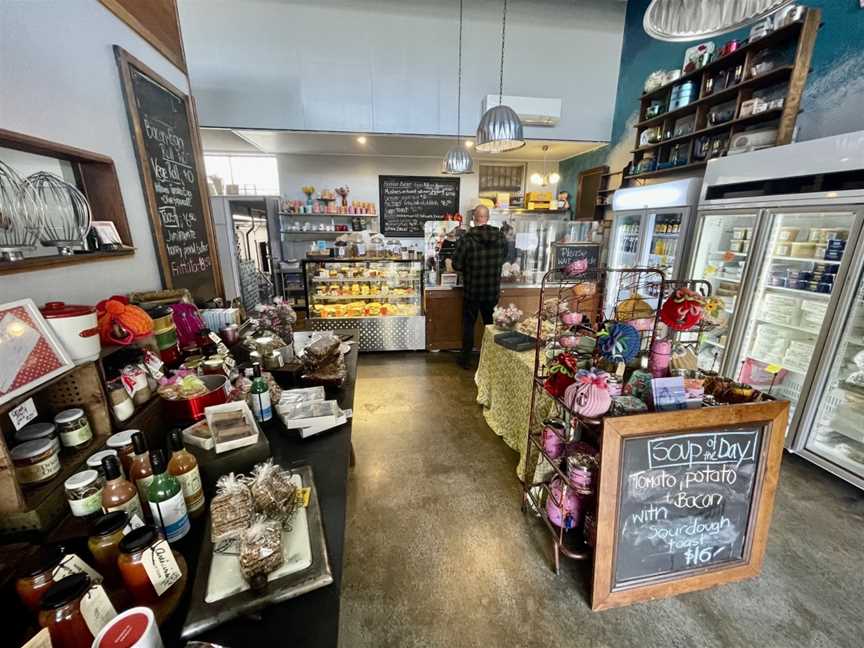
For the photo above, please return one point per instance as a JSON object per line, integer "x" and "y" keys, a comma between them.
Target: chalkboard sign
{"x": 407, "y": 202}
{"x": 685, "y": 502}
{"x": 685, "y": 498}
{"x": 566, "y": 253}
{"x": 165, "y": 134}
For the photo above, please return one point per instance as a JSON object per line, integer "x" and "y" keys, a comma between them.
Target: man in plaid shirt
{"x": 479, "y": 256}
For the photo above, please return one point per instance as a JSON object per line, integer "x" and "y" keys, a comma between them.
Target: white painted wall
{"x": 389, "y": 66}
{"x": 60, "y": 82}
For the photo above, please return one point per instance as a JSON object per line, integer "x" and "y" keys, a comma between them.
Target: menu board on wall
{"x": 685, "y": 502}
{"x": 566, "y": 253}
{"x": 407, "y": 202}
{"x": 165, "y": 134}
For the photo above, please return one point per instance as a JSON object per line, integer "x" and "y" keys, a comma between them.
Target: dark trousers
{"x": 470, "y": 309}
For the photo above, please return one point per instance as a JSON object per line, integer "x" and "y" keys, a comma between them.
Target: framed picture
{"x": 107, "y": 233}
{"x": 30, "y": 352}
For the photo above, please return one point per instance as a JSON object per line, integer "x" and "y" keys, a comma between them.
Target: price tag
{"x": 773, "y": 369}
{"x": 230, "y": 362}
{"x": 41, "y": 640}
{"x": 72, "y": 564}
{"x": 23, "y": 414}
{"x": 161, "y": 567}
{"x": 303, "y": 495}
{"x": 134, "y": 523}
{"x": 214, "y": 338}
{"x": 96, "y": 609}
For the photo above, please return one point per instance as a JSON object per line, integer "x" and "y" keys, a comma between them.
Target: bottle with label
{"x": 184, "y": 467}
{"x": 118, "y": 494}
{"x": 140, "y": 471}
{"x": 166, "y": 500}
{"x": 259, "y": 396}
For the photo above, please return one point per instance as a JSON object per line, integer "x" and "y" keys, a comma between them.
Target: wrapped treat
{"x": 332, "y": 373}
{"x": 324, "y": 348}
{"x": 272, "y": 492}
{"x": 231, "y": 509}
{"x": 260, "y": 551}
{"x": 240, "y": 391}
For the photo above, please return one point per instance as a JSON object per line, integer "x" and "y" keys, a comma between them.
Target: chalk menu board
{"x": 566, "y": 253}
{"x": 685, "y": 502}
{"x": 166, "y": 142}
{"x": 407, "y": 202}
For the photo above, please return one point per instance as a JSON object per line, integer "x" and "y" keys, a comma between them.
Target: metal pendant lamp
{"x": 458, "y": 161}
{"x": 500, "y": 128}
{"x": 687, "y": 20}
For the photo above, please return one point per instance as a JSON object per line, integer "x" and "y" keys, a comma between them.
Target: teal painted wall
{"x": 833, "y": 102}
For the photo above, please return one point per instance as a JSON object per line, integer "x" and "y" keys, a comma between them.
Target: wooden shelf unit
{"x": 797, "y": 40}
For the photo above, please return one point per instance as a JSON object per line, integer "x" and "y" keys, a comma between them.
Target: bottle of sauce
{"x": 140, "y": 471}
{"x": 61, "y": 613}
{"x": 184, "y": 467}
{"x": 167, "y": 504}
{"x": 118, "y": 494}
{"x": 259, "y": 395}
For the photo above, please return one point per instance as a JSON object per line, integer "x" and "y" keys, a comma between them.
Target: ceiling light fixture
{"x": 468, "y": 143}
{"x": 500, "y": 128}
{"x": 547, "y": 178}
{"x": 361, "y": 140}
{"x": 458, "y": 161}
{"x": 687, "y": 20}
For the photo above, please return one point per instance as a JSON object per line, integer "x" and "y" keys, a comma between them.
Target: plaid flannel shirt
{"x": 479, "y": 256}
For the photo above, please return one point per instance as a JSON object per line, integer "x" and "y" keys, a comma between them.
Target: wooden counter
{"x": 444, "y": 314}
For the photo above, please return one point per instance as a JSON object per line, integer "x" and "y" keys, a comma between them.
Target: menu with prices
{"x": 407, "y": 202}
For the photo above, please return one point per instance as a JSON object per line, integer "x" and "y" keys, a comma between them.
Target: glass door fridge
{"x": 831, "y": 433}
{"x": 793, "y": 300}
{"x": 724, "y": 250}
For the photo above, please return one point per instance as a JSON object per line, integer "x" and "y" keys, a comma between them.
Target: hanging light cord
{"x": 459, "y": 86}
{"x": 503, "y": 34}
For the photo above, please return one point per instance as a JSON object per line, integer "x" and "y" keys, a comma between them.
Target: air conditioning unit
{"x": 533, "y": 111}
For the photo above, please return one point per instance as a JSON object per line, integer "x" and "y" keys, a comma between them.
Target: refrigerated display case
{"x": 381, "y": 299}
{"x": 796, "y": 315}
{"x": 651, "y": 229}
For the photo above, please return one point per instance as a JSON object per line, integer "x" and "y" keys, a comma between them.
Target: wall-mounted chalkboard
{"x": 407, "y": 202}
{"x": 685, "y": 502}
{"x": 566, "y": 253}
{"x": 165, "y": 134}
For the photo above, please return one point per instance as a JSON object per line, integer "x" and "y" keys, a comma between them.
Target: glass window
{"x": 254, "y": 175}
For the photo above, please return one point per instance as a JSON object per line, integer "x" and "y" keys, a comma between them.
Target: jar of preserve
{"x": 61, "y": 612}
{"x": 35, "y": 462}
{"x": 161, "y": 316}
{"x": 94, "y": 462}
{"x": 131, "y": 564}
{"x": 104, "y": 543}
{"x": 38, "y": 431}
{"x": 74, "y": 428}
{"x": 36, "y": 576}
{"x": 84, "y": 493}
{"x": 122, "y": 443}
{"x": 213, "y": 367}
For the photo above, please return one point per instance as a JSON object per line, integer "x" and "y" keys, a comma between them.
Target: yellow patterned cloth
{"x": 504, "y": 380}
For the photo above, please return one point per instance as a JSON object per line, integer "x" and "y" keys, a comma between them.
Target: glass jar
{"x": 74, "y": 428}
{"x": 122, "y": 443}
{"x": 61, "y": 613}
{"x": 35, "y": 462}
{"x": 36, "y": 576}
{"x": 38, "y": 431}
{"x": 94, "y": 462}
{"x": 104, "y": 543}
{"x": 130, "y": 563}
{"x": 84, "y": 493}
{"x": 121, "y": 404}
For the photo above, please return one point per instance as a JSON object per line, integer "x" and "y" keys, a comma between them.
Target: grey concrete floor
{"x": 439, "y": 554}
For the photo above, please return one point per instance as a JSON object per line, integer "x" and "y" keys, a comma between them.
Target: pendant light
{"x": 687, "y": 20}
{"x": 547, "y": 178}
{"x": 500, "y": 128}
{"x": 458, "y": 161}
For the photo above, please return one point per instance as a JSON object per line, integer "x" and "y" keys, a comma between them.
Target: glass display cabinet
{"x": 381, "y": 299}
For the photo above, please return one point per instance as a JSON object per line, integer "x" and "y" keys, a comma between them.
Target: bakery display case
{"x": 381, "y": 299}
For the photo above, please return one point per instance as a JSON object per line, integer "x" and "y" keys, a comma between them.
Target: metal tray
{"x": 205, "y": 616}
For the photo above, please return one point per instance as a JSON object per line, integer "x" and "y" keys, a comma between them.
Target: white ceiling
{"x": 307, "y": 143}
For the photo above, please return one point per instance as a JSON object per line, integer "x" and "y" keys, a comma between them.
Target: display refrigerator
{"x": 779, "y": 237}
{"x": 650, "y": 229}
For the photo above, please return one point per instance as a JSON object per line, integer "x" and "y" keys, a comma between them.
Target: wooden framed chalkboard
{"x": 165, "y": 134}
{"x": 407, "y": 202}
{"x": 685, "y": 500}
{"x": 566, "y": 253}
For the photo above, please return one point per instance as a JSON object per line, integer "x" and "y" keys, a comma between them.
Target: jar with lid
{"x": 94, "y": 462}
{"x": 213, "y": 366}
{"x": 131, "y": 564}
{"x": 122, "y": 443}
{"x": 74, "y": 428}
{"x": 61, "y": 612}
{"x": 104, "y": 543}
{"x": 84, "y": 493}
{"x": 35, "y": 462}
{"x": 36, "y": 576}
{"x": 38, "y": 431}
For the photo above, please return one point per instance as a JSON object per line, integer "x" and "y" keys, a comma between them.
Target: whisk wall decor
{"x": 67, "y": 212}
{"x": 21, "y": 215}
